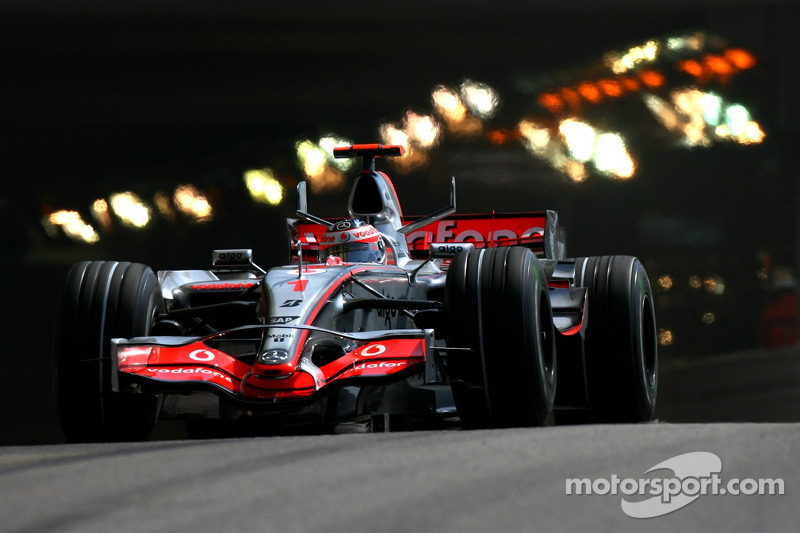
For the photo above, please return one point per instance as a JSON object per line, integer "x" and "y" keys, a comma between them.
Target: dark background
{"x": 102, "y": 97}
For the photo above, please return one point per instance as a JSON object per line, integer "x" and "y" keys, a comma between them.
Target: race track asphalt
{"x": 744, "y": 408}
{"x": 495, "y": 480}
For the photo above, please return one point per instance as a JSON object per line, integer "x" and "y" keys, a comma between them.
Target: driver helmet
{"x": 352, "y": 241}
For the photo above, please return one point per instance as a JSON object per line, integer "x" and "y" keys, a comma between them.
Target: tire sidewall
{"x": 498, "y": 305}
{"x": 620, "y": 339}
{"x": 102, "y": 300}
{"x": 643, "y": 336}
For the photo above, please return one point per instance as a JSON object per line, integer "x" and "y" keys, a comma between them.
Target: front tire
{"x": 620, "y": 342}
{"x": 498, "y": 305}
{"x": 102, "y": 300}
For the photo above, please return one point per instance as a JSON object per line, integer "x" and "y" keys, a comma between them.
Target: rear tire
{"x": 621, "y": 343}
{"x": 102, "y": 300}
{"x": 498, "y": 305}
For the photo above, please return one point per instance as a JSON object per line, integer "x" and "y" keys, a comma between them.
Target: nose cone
{"x": 274, "y": 364}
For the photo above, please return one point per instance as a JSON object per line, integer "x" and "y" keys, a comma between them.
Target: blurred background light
{"x": 72, "y": 225}
{"x": 327, "y": 143}
{"x": 688, "y": 102}
{"x": 552, "y": 102}
{"x": 691, "y": 67}
{"x": 663, "y": 111}
{"x": 611, "y": 88}
{"x": 714, "y": 285}
{"x": 452, "y": 108}
{"x": 479, "y": 98}
{"x": 653, "y": 79}
{"x": 164, "y": 205}
{"x": 623, "y": 62}
{"x": 100, "y": 212}
{"x": 701, "y": 118}
{"x": 503, "y": 136}
{"x": 712, "y": 108}
{"x": 130, "y": 209}
{"x": 389, "y": 134}
{"x": 448, "y": 104}
{"x": 665, "y": 337}
{"x": 416, "y": 154}
{"x": 708, "y": 317}
{"x": 312, "y": 159}
{"x": 611, "y": 156}
{"x": 319, "y": 166}
{"x": 576, "y": 145}
{"x": 535, "y": 136}
{"x": 263, "y": 186}
{"x": 579, "y": 138}
{"x": 589, "y": 91}
{"x": 421, "y": 129}
{"x": 752, "y": 134}
{"x": 692, "y": 42}
{"x": 574, "y": 169}
{"x": 740, "y": 58}
{"x": 736, "y": 118}
{"x": 192, "y": 203}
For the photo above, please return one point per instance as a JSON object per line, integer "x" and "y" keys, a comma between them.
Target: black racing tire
{"x": 102, "y": 300}
{"x": 498, "y": 306}
{"x": 621, "y": 344}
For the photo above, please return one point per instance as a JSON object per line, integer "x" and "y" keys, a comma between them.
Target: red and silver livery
{"x": 378, "y": 321}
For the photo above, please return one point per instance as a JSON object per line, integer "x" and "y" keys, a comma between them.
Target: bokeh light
{"x": 453, "y": 110}
{"x": 130, "y": 209}
{"x": 327, "y": 143}
{"x": 318, "y": 164}
{"x": 701, "y": 118}
{"x": 73, "y": 226}
{"x": 611, "y": 157}
{"x": 192, "y": 203}
{"x": 535, "y": 136}
{"x": 263, "y": 186}
{"x": 422, "y": 130}
{"x": 666, "y": 337}
{"x": 579, "y": 138}
{"x": 100, "y": 212}
{"x": 480, "y": 99}
{"x": 165, "y": 206}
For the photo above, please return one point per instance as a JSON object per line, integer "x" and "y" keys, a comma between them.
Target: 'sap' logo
{"x": 276, "y": 320}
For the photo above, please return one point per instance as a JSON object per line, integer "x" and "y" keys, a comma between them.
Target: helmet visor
{"x": 356, "y": 252}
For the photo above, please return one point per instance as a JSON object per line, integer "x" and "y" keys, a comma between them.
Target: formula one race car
{"x": 381, "y": 322}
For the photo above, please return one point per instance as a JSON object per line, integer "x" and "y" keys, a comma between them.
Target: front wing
{"x": 178, "y": 364}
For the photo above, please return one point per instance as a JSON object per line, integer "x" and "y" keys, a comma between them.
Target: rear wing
{"x": 537, "y": 230}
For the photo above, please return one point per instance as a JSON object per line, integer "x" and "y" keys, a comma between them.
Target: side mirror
{"x": 302, "y": 206}
{"x": 302, "y": 198}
